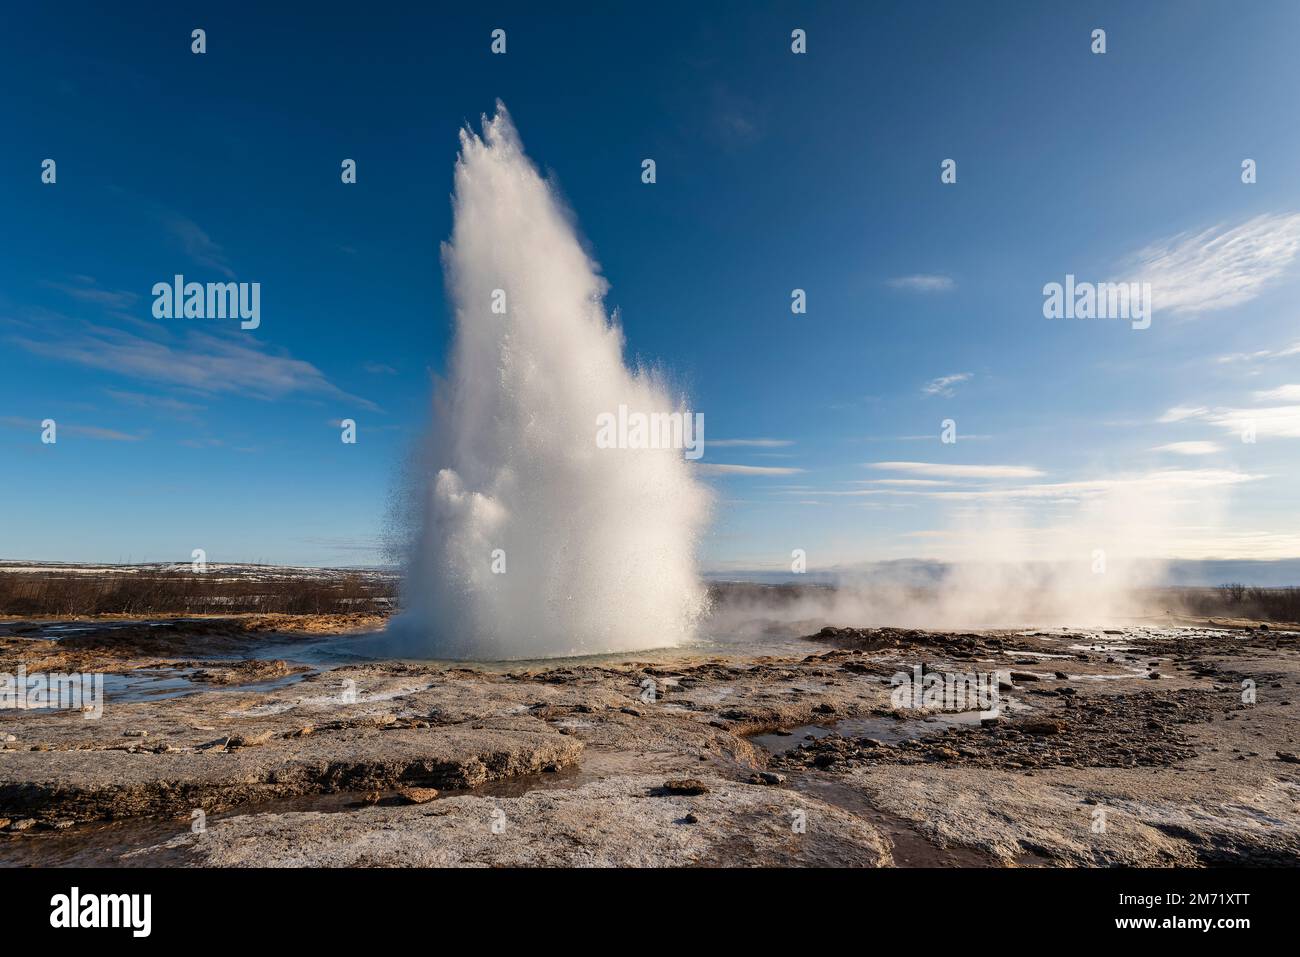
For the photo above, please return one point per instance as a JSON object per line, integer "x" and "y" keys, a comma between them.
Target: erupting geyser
{"x": 534, "y": 541}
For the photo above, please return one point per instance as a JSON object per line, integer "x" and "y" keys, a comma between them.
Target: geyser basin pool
{"x": 536, "y": 540}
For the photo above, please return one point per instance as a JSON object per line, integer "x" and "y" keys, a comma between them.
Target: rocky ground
{"x": 1136, "y": 746}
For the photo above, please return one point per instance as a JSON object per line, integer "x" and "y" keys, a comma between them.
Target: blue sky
{"x": 775, "y": 171}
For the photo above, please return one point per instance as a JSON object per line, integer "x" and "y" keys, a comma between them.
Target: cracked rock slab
{"x": 93, "y": 785}
{"x": 624, "y": 821}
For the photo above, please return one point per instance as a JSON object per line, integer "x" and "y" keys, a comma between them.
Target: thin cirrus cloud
{"x": 198, "y": 245}
{"x": 736, "y": 121}
{"x": 944, "y": 470}
{"x": 107, "y": 435}
{"x": 720, "y": 469}
{"x": 1191, "y": 542}
{"x": 156, "y": 403}
{"x": 906, "y": 482}
{"x": 86, "y": 289}
{"x": 1283, "y": 393}
{"x": 1218, "y": 267}
{"x": 1263, "y": 354}
{"x": 205, "y": 363}
{"x": 1181, "y": 413}
{"x": 1277, "y": 421}
{"x": 923, "y": 282}
{"x": 750, "y": 443}
{"x": 1165, "y": 482}
{"x": 1189, "y": 448}
{"x": 84, "y": 431}
{"x": 945, "y": 385}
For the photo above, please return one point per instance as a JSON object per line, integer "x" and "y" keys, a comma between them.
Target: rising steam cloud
{"x": 531, "y": 541}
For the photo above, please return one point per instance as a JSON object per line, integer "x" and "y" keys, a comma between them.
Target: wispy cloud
{"x": 1167, "y": 483}
{"x": 923, "y": 282}
{"x": 944, "y": 385}
{"x": 379, "y": 368}
{"x": 932, "y": 437}
{"x": 734, "y": 119}
{"x": 205, "y": 363}
{"x": 1262, "y": 354}
{"x": 1189, "y": 448}
{"x": 106, "y": 435}
{"x": 1194, "y": 542}
{"x": 1161, "y": 484}
{"x": 1281, "y": 421}
{"x": 157, "y": 403}
{"x": 1219, "y": 267}
{"x": 735, "y": 125}
{"x": 197, "y": 244}
{"x": 943, "y": 470}
{"x": 1283, "y": 393}
{"x": 716, "y": 469}
{"x": 905, "y": 482}
{"x": 1278, "y": 421}
{"x": 1181, "y": 413}
{"x": 86, "y": 289}
{"x": 85, "y": 431}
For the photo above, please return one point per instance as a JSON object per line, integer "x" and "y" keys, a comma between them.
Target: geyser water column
{"x": 534, "y": 541}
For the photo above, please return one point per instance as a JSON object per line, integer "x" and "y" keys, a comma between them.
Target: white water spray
{"x": 534, "y": 542}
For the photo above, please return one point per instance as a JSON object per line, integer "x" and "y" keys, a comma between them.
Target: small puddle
{"x": 69, "y": 629}
{"x": 908, "y": 846}
{"x": 886, "y": 729}
{"x": 156, "y": 684}
{"x": 103, "y": 843}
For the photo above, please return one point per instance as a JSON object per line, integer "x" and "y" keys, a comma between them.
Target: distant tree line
{"x": 1235, "y": 600}
{"x": 175, "y": 592}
